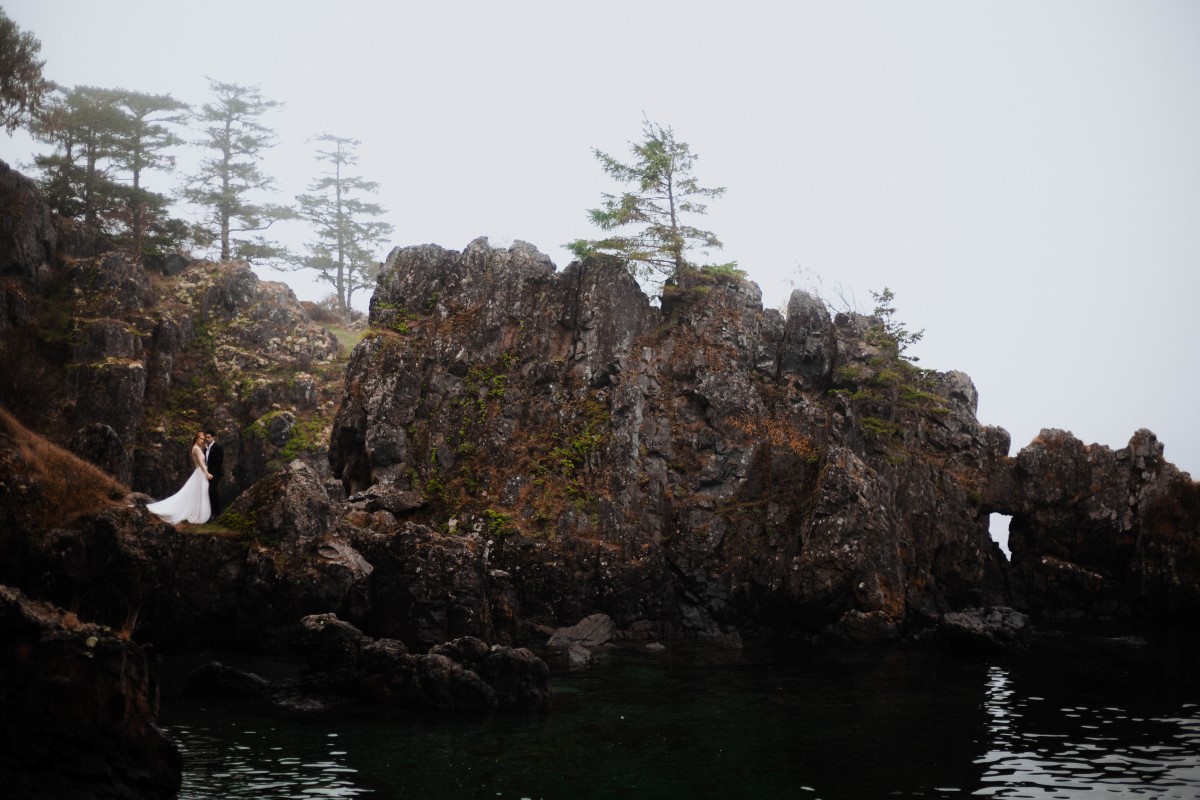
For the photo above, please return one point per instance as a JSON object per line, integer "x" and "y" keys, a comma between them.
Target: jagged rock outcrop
{"x": 686, "y": 465}
{"x": 1098, "y": 533}
{"x": 28, "y": 236}
{"x": 709, "y": 467}
{"x": 520, "y": 446}
{"x": 78, "y": 705}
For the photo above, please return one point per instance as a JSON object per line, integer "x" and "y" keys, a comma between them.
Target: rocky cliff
{"x": 523, "y": 446}
{"x": 710, "y": 467}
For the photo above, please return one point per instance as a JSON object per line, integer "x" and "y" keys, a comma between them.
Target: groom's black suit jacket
{"x": 216, "y": 457}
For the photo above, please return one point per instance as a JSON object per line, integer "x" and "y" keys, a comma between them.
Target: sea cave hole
{"x": 998, "y": 527}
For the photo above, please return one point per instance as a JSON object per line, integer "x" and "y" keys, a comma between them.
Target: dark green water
{"x": 1088, "y": 720}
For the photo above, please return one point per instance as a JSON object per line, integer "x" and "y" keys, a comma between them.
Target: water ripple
{"x": 248, "y": 764}
{"x": 1080, "y": 762}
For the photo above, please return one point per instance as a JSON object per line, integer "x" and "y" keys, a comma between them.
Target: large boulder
{"x": 427, "y": 587}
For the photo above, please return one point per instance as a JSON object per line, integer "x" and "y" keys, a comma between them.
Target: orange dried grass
{"x": 69, "y": 486}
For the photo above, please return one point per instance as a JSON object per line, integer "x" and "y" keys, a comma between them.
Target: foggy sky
{"x": 1025, "y": 176}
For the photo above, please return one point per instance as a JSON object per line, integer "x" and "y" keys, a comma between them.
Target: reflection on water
{"x": 254, "y": 763}
{"x": 1086, "y": 750}
{"x": 698, "y": 723}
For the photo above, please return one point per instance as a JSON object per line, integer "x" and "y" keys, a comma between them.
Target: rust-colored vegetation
{"x": 61, "y": 486}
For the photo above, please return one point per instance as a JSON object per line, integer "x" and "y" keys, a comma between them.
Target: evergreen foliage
{"x": 81, "y": 124}
{"x": 346, "y": 238}
{"x": 663, "y": 193}
{"x": 140, "y": 144}
{"x": 896, "y": 331}
{"x": 22, "y": 87}
{"x": 104, "y": 141}
{"x": 228, "y": 178}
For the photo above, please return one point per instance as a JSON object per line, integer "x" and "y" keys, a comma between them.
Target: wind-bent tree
{"x": 346, "y": 237}
{"x": 664, "y": 191}
{"x": 140, "y": 144}
{"x": 22, "y": 87}
{"x": 226, "y": 181}
{"x": 81, "y": 124}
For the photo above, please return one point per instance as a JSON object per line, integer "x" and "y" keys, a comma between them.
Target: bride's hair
{"x": 198, "y": 437}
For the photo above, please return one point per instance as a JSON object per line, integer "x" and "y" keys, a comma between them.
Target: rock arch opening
{"x": 998, "y": 528}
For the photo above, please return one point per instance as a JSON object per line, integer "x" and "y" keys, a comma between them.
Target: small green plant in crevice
{"x": 726, "y": 271}
{"x": 574, "y": 449}
{"x": 259, "y": 430}
{"x": 306, "y": 437}
{"x": 246, "y": 527}
{"x": 401, "y": 319}
{"x": 242, "y": 525}
{"x": 497, "y": 524}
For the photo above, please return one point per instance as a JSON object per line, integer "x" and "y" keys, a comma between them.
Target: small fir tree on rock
{"x": 647, "y": 222}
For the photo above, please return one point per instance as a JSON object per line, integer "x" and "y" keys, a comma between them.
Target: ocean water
{"x": 1074, "y": 718}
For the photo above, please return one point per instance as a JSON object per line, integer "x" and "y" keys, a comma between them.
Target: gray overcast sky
{"x": 1024, "y": 175}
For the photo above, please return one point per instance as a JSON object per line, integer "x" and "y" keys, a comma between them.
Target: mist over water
{"x": 1113, "y": 718}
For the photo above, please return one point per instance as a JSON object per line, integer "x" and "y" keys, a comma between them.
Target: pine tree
{"x": 342, "y": 252}
{"x": 81, "y": 124}
{"x": 140, "y": 144}
{"x": 664, "y": 192}
{"x": 22, "y": 87}
{"x": 225, "y": 182}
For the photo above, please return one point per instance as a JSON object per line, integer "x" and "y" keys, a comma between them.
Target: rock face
{"x": 28, "y": 236}
{"x": 127, "y": 365}
{"x": 1103, "y": 534}
{"x": 77, "y": 710}
{"x": 710, "y": 467}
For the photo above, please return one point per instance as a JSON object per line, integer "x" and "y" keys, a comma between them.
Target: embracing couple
{"x": 198, "y": 500}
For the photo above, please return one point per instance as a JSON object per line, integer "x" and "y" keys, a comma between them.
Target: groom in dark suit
{"x": 214, "y": 459}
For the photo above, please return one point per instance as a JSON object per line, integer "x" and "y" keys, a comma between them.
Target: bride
{"x": 190, "y": 503}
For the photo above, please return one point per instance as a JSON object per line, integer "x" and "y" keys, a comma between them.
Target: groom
{"x": 214, "y": 457}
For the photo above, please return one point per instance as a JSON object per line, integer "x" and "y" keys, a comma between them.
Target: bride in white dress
{"x": 191, "y": 503}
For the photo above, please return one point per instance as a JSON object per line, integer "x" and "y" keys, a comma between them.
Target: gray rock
{"x": 591, "y": 631}
{"x": 28, "y": 237}
{"x": 578, "y": 656}
{"x": 809, "y": 347}
{"x": 989, "y": 629}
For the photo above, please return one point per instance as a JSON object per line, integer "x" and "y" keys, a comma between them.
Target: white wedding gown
{"x": 189, "y": 504}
